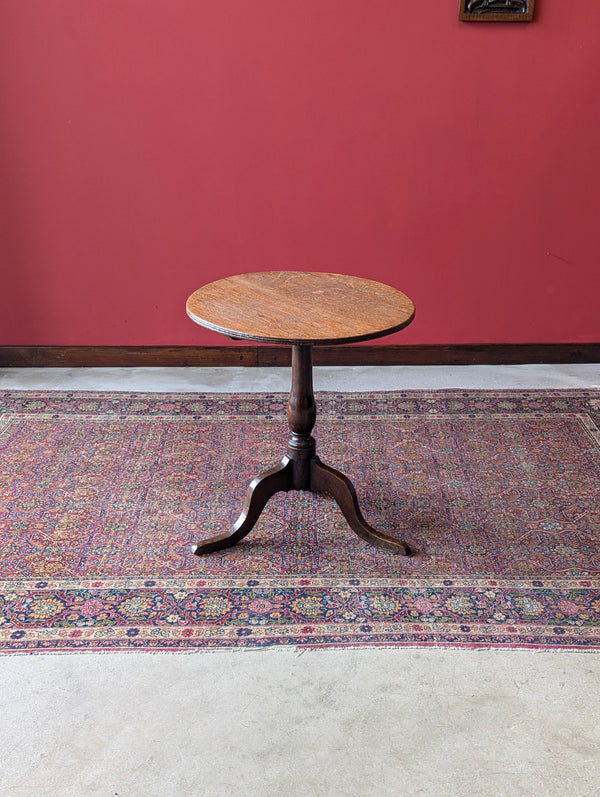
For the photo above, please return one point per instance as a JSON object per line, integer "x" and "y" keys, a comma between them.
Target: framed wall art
{"x": 496, "y": 10}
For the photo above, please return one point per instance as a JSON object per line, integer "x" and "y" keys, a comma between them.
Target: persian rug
{"x": 103, "y": 494}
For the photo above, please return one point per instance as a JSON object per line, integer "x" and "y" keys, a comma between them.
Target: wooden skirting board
{"x": 251, "y": 355}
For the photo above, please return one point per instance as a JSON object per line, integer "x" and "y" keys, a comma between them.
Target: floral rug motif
{"x": 103, "y": 494}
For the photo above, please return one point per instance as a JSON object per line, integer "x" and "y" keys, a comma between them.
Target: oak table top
{"x": 303, "y": 309}
{"x": 296, "y": 307}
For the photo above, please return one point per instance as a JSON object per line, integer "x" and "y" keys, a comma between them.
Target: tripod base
{"x": 285, "y": 477}
{"x": 301, "y": 469}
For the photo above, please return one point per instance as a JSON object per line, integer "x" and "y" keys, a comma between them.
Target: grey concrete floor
{"x": 450, "y": 723}
{"x": 229, "y": 380}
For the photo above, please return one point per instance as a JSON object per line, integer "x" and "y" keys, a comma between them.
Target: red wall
{"x": 149, "y": 146}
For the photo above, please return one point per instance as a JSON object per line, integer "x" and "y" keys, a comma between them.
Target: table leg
{"x": 265, "y": 485}
{"x": 331, "y": 481}
{"x": 301, "y": 469}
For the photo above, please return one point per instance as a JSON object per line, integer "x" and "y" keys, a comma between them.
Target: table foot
{"x": 269, "y": 482}
{"x": 331, "y": 481}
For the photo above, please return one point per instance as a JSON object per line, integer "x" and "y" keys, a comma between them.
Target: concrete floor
{"x": 450, "y": 723}
{"x": 231, "y": 380}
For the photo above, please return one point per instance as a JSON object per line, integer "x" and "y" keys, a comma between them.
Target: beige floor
{"x": 282, "y": 722}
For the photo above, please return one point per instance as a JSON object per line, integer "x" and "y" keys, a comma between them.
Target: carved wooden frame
{"x": 496, "y": 10}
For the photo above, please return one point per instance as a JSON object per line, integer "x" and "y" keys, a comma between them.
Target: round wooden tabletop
{"x": 298, "y": 307}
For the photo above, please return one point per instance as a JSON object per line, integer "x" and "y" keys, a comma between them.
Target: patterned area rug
{"x": 102, "y": 495}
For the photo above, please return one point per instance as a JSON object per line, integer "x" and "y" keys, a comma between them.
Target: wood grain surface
{"x": 297, "y": 307}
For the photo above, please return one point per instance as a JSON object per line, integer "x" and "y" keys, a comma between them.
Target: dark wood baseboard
{"x": 165, "y": 356}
